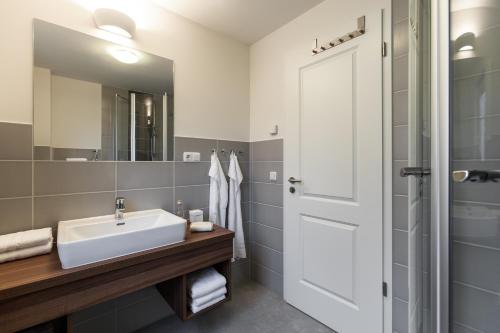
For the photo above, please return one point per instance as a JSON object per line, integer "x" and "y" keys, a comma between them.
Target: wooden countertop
{"x": 33, "y": 274}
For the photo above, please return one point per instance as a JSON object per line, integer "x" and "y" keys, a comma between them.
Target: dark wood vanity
{"x": 37, "y": 289}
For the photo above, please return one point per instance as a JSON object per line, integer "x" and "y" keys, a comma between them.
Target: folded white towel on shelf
{"x": 195, "y": 308}
{"x": 25, "y": 239}
{"x": 204, "y": 282}
{"x": 202, "y": 300}
{"x": 26, "y": 252}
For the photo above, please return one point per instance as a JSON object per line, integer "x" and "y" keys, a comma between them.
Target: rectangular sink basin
{"x": 89, "y": 240}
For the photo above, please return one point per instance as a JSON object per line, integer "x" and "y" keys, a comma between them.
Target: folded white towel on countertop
{"x": 201, "y": 226}
{"x": 25, "y": 253}
{"x": 202, "y": 300}
{"x": 204, "y": 282}
{"x": 195, "y": 308}
{"x": 25, "y": 239}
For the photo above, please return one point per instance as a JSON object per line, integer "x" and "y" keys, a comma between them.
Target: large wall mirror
{"x": 96, "y": 100}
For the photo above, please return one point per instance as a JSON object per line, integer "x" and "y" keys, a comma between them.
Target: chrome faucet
{"x": 119, "y": 208}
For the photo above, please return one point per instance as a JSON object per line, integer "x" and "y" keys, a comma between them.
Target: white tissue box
{"x": 196, "y": 215}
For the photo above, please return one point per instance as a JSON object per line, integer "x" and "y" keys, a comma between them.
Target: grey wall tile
{"x": 270, "y": 150}
{"x": 400, "y": 143}
{"x": 476, "y": 138}
{"x": 148, "y": 199}
{"x": 93, "y": 311}
{"x": 267, "y": 236}
{"x": 140, "y": 175}
{"x": 270, "y": 194}
{"x": 400, "y": 108}
{"x": 41, "y": 153}
{"x": 16, "y": 215}
{"x": 61, "y": 154}
{"x": 267, "y": 257}
{"x": 20, "y": 142}
{"x": 142, "y": 314}
{"x": 52, "y": 177}
{"x": 15, "y": 179}
{"x": 268, "y": 215}
{"x": 203, "y": 146}
{"x": 237, "y": 146}
{"x": 102, "y": 324}
{"x": 260, "y": 172}
{"x": 476, "y": 223}
{"x": 52, "y": 209}
{"x": 400, "y": 247}
{"x": 194, "y": 197}
{"x": 267, "y": 278}
{"x": 476, "y": 266}
{"x": 240, "y": 273}
{"x": 400, "y": 38}
{"x": 399, "y": 184}
{"x": 476, "y": 308}
{"x": 191, "y": 173}
{"x": 477, "y": 192}
{"x": 399, "y": 316}
{"x": 400, "y": 10}
{"x": 400, "y": 73}
{"x": 400, "y": 212}
{"x": 400, "y": 281}
{"x": 245, "y": 192}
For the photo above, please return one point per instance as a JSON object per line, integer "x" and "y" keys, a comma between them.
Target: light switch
{"x": 191, "y": 156}
{"x": 273, "y": 176}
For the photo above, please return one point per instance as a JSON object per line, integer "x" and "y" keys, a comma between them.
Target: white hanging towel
{"x": 218, "y": 193}
{"x": 235, "y": 221}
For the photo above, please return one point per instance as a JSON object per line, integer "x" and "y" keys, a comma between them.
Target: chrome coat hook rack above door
{"x": 340, "y": 40}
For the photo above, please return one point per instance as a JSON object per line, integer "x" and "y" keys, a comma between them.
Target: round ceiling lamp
{"x": 114, "y": 21}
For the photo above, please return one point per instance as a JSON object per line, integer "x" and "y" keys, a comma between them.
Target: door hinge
{"x": 384, "y": 289}
{"x": 384, "y": 49}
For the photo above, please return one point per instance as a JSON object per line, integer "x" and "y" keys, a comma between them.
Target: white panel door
{"x": 333, "y": 220}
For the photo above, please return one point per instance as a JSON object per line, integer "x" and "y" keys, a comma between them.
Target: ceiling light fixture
{"x": 114, "y": 21}
{"x": 127, "y": 56}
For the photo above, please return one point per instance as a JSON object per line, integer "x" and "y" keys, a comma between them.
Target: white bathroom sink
{"x": 94, "y": 239}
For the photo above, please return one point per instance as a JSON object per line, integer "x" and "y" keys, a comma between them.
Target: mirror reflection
{"x": 96, "y": 100}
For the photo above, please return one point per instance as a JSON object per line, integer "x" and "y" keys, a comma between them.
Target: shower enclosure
{"x": 453, "y": 167}
{"x": 140, "y": 120}
{"x": 474, "y": 274}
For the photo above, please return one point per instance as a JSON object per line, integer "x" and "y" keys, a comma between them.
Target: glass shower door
{"x": 418, "y": 170}
{"x": 475, "y": 150}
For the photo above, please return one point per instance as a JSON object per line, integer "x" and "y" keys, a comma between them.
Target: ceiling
{"x": 79, "y": 56}
{"x": 244, "y": 20}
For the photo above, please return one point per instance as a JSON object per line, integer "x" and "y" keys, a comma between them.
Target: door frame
{"x": 440, "y": 166}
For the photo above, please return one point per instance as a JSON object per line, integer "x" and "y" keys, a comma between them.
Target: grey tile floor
{"x": 252, "y": 309}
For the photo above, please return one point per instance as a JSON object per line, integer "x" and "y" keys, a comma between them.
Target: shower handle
{"x": 414, "y": 171}
{"x": 476, "y": 176}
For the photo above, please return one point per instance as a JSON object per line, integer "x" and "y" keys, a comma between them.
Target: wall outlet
{"x": 273, "y": 176}
{"x": 191, "y": 156}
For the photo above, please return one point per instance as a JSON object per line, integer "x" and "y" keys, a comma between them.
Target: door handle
{"x": 476, "y": 176}
{"x": 292, "y": 180}
{"x": 414, "y": 171}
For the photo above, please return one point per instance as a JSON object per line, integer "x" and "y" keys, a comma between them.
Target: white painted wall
{"x": 76, "y": 107}
{"x": 211, "y": 70}
{"x": 41, "y": 105}
{"x": 269, "y": 55}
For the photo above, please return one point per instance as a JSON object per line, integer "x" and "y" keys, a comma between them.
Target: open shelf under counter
{"x": 36, "y": 290}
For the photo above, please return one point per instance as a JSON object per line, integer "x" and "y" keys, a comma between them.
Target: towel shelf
{"x": 175, "y": 292}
